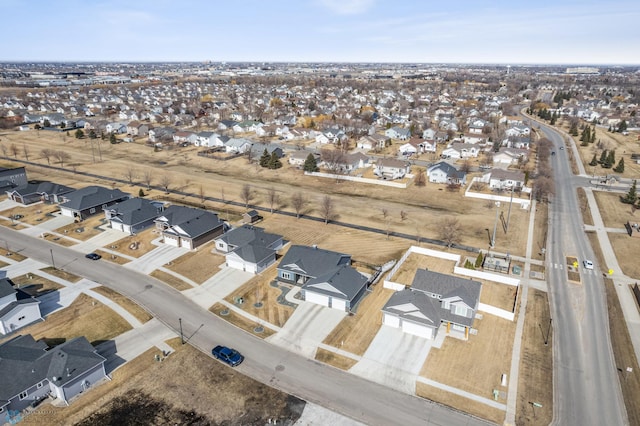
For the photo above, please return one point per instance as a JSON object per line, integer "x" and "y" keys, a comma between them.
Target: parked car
{"x": 93, "y": 256}
{"x": 588, "y": 264}
{"x": 227, "y": 355}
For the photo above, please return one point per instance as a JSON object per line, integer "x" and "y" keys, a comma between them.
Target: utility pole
{"x": 181, "y": 335}
{"x": 52, "y": 262}
{"x": 509, "y": 212}
{"x": 495, "y": 225}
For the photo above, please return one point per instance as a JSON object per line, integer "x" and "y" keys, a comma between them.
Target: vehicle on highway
{"x": 588, "y": 264}
{"x": 561, "y": 148}
{"x": 93, "y": 256}
{"x": 227, "y": 355}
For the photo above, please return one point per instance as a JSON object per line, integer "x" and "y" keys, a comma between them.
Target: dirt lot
{"x": 35, "y": 285}
{"x": 356, "y": 332}
{"x": 614, "y": 213}
{"x": 144, "y": 392}
{"x": 261, "y": 298}
{"x": 622, "y": 245}
{"x": 475, "y": 365}
{"x": 535, "y": 382}
{"x": 169, "y": 279}
{"x": 198, "y": 265}
{"x": 135, "y": 245}
{"x": 84, "y": 317}
{"x": 134, "y": 309}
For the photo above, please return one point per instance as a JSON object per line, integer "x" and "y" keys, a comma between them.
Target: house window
{"x": 445, "y": 305}
{"x": 39, "y": 385}
{"x": 286, "y": 276}
{"x": 92, "y": 210}
{"x": 21, "y": 318}
{"x": 461, "y": 310}
{"x": 23, "y": 395}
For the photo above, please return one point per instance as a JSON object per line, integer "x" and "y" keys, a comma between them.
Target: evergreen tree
{"x": 264, "y": 159}
{"x": 113, "y": 139}
{"x": 622, "y": 127}
{"x": 92, "y": 134}
{"x": 79, "y": 134}
{"x": 574, "y": 129}
{"x": 593, "y": 134}
{"x": 594, "y": 161}
{"x": 611, "y": 159}
{"x": 603, "y": 157}
{"x": 631, "y": 196}
{"x": 310, "y": 164}
{"x": 479, "y": 260}
{"x": 620, "y": 167}
{"x": 274, "y": 161}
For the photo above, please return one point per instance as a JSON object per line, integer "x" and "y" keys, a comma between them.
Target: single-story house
{"x": 297, "y": 158}
{"x": 390, "y": 168}
{"x": 90, "y": 200}
{"x": 249, "y": 248}
{"x": 133, "y": 215}
{"x": 238, "y": 145}
{"x": 257, "y": 149}
{"x": 12, "y": 178}
{"x": 443, "y": 172}
{"x": 461, "y": 150}
{"x": 504, "y": 179}
{"x": 47, "y": 192}
{"x": 326, "y": 277}
{"x": 188, "y": 227}
{"x": 373, "y": 142}
{"x": 30, "y": 371}
{"x": 17, "y": 308}
{"x": 509, "y": 156}
{"x": 398, "y": 133}
{"x": 434, "y": 299}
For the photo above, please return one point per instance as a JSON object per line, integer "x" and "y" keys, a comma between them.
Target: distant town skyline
{"x": 504, "y": 32}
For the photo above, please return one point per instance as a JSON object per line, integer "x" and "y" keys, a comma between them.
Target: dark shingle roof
{"x": 193, "y": 222}
{"x": 245, "y": 234}
{"x": 42, "y": 188}
{"x": 6, "y": 287}
{"x": 135, "y": 210}
{"x": 312, "y": 261}
{"x": 344, "y": 282}
{"x": 415, "y": 306}
{"x": 447, "y": 286}
{"x": 92, "y": 196}
{"x": 253, "y": 252}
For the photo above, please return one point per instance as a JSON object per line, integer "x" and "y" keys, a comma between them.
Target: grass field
{"x": 198, "y": 265}
{"x": 622, "y": 245}
{"x": 416, "y": 261}
{"x": 133, "y": 308}
{"x": 614, "y": 212}
{"x": 33, "y": 214}
{"x": 113, "y": 258}
{"x": 135, "y": 245}
{"x": 67, "y": 276}
{"x": 584, "y": 206}
{"x": 240, "y": 321}
{"x": 460, "y": 403}
{"x": 84, "y": 230}
{"x": 332, "y": 358}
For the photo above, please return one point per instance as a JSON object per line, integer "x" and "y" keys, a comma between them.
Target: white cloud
{"x": 347, "y": 7}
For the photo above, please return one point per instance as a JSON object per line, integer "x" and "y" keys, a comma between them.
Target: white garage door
{"x": 391, "y": 320}
{"x": 172, "y": 241}
{"x": 339, "y": 304}
{"x": 417, "y": 329}
{"x": 117, "y": 226}
{"x": 320, "y": 299}
{"x": 236, "y": 264}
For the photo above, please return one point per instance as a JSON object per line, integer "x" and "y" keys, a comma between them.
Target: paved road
{"x": 586, "y": 386}
{"x": 312, "y": 381}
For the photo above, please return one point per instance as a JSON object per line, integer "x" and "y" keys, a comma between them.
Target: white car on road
{"x": 588, "y": 264}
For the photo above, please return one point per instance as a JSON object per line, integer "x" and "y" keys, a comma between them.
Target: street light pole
{"x": 495, "y": 225}
{"x": 181, "y": 335}
{"x": 52, "y": 262}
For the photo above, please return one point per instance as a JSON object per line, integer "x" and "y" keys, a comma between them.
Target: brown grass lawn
{"x": 113, "y": 258}
{"x": 34, "y": 284}
{"x": 584, "y": 206}
{"x": 614, "y": 212}
{"x": 67, "y": 276}
{"x": 84, "y": 230}
{"x": 356, "y": 332}
{"x": 14, "y": 255}
{"x": 535, "y": 381}
{"x": 460, "y": 403}
{"x": 169, "y": 279}
{"x": 84, "y": 317}
{"x": 623, "y": 245}
{"x": 240, "y": 321}
{"x": 476, "y": 365}
{"x": 3, "y": 264}
{"x": 135, "y": 245}
{"x": 416, "y": 261}
{"x": 332, "y": 358}
{"x": 540, "y": 231}
{"x": 198, "y": 265}
{"x": 174, "y": 388}
{"x": 61, "y": 240}
{"x": 259, "y": 290}
{"x": 132, "y": 307}
{"x": 12, "y": 224}
{"x": 501, "y": 296}
{"x": 33, "y": 214}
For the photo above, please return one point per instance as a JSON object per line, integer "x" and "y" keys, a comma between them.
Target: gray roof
{"x": 447, "y": 168}
{"x": 253, "y": 252}
{"x": 25, "y": 362}
{"x": 42, "y": 188}
{"x": 6, "y": 287}
{"x": 249, "y": 234}
{"x": 312, "y": 261}
{"x": 194, "y": 222}
{"x": 514, "y": 175}
{"x": 343, "y": 282}
{"x": 427, "y": 309}
{"x": 92, "y": 196}
{"x": 135, "y": 210}
{"x": 447, "y": 286}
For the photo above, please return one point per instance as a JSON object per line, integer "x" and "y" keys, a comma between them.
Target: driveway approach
{"x": 345, "y": 393}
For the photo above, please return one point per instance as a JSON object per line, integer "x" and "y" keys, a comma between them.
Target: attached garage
{"x": 390, "y": 320}
{"x": 417, "y": 329}
{"x": 117, "y": 226}
{"x": 172, "y": 240}
{"x": 316, "y": 298}
{"x": 339, "y": 304}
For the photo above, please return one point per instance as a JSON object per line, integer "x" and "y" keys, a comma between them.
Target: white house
{"x": 17, "y": 308}
{"x": 500, "y": 179}
{"x": 461, "y": 150}
{"x": 389, "y": 168}
{"x": 443, "y": 172}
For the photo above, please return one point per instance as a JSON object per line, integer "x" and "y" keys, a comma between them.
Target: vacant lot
{"x": 535, "y": 380}
{"x": 355, "y": 332}
{"x": 623, "y": 244}
{"x": 144, "y": 392}
{"x": 198, "y": 265}
{"x": 614, "y": 212}
{"x": 135, "y": 245}
{"x": 475, "y": 365}
{"x": 84, "y": 317}
{"x": 262, "y": 299}
{"x": 35, "y": 285}
{"x": 133, "y": 308}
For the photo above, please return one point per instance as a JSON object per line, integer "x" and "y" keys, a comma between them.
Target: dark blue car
{"x": 227, "y": 355}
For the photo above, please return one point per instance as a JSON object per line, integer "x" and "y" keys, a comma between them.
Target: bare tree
{"x": 147, "y": 178}
{"x": 298, "y": 201}
{"x": 543, "y": 188}
{"x": 403, "y": 215}
{"x": 450, "y": 231}
{"x": 130, "y": 174}
{"x": 47, "y": 154}
{"x": 4, "y": 150}
{"x": 272, "y": 198}
{"x": 420, "y": 179}
{"x": 385, "y": 212}
{"x": 327, "y": 209}
{"x": 25, "y": 151}
{"x": 62, "y": 156}
{"x": 165, "y": 182}
{"x": 466, "y": 166}
{"x": 246, "y": 194}
{"x": 14, "y": 150}
{"x": 333, "y": 159}
{"x": 201, "y": 193}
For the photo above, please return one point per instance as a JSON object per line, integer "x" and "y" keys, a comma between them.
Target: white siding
{"x": 417, "y": 329}
{"x": 172, "y": 241}
{"x": 391, "y": 320}
{"x": 319, "y": 299}
{"x": 339, "y": 304}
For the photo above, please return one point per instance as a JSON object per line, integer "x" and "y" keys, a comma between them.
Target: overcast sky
{"x": 425, "y": 31}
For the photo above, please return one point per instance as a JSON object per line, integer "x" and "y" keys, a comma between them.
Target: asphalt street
{"x": 345, "y": 393}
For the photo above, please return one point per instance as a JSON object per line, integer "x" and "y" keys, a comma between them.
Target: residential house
{"x": 17, "y": 308}
{"x": 417, "y": 146}
{"x": 297, "y": 158}
{"x": 373, "y": 142}
{"x": 257, "y": 149}
{"x": 510, "y": 156}
{"x": 500, "y": 179}
{"x": 249, "y": 248}
{"x": 89, "y": 201}
{"x": 246, "y": 126}
{"x": 161, "y": 134}
{"x": 47, "y": 192}
{"x": 434, "y": 299}
{"x": 443, "y": 172}
{"x": 183, "y": 137}
{"x": 390, "y": 168}
{"x": 133, "y": 215}
{"x": 30, "y": 371}
{"x": 326, "y": 277}
{"x": 429, "y": 134}
{"x": 398, "y": 133}
{"x": 226, "y": 124}
{"x": 238, "y": 145}
{"x": 188, "y": 227}
{"x": 116, "y": 127}
{"x": 459, "y": 150}
{"x": 12, "y": 178}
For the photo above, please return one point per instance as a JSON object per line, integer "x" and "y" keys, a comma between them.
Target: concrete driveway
{"x": 218, "y": 287}
{"x": 394, "y": 359}
{"x": 50, "y": 225}
{"x": 309, "y": 325}
{"x": 104, "y": 239}
{"x": 156, "y": 258}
